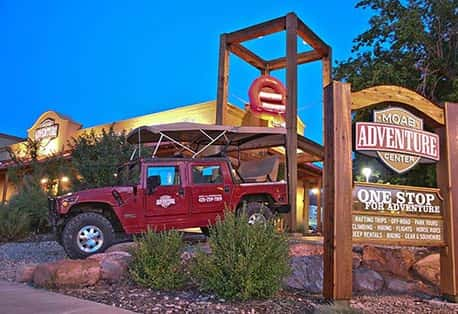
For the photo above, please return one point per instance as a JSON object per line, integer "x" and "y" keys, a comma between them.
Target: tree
{"x": 35, "y": 178}
{"x": 96, "y": 157}
{"x": 409, "y": 43}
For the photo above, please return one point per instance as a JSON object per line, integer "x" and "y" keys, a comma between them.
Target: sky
{"x": 104, "y": 61}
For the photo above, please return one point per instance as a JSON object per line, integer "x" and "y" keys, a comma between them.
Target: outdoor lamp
{"x": 64, "y": 179}
{"x": 367, "y": 173}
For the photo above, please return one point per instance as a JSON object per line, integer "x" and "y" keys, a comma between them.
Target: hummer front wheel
{"x": 87, "y": 234}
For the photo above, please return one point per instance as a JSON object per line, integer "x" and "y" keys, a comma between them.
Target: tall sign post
{"x": 320, "y": 51}
{"x": 337, "y": 281}
{"x": 447, "y": 176}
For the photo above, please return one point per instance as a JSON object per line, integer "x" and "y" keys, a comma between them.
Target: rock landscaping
{"x": 375, "y": 270}
{"x": 379, "y": 286}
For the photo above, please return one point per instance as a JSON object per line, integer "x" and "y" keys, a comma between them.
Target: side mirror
{"x": 152, "y": 183}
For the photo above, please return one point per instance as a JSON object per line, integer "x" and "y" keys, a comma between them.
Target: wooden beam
{"x": 223, "y": 79}
{"x": 291, "y": 114}
{"x": 258, "y": 30}
{"x": 327, "y": 69}
{"x": 304, "y": 57}
{"x": 312, "y": 39}
{"x": 388, "y": 93}
{"x": 447, "y": 177}
{"x": 337, "y": 282}
{"x": 247, "y": 55}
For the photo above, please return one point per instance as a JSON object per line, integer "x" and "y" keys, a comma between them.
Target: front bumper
{"x": 281, "y": 208}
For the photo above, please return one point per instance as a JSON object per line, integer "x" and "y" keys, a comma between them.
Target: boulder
{"x": 428, "y": 268}
{"x": 113, "y": 265}
{"x": 356, "y": 260}
{"x": 396, "y": 261}
{"x": 397, "y": 285}
{"x": 306, "y": 273}
{"x": 367, "y": 280}
{"x": 304, "y": 249}
{"x": 400, "y": 286}
{"x": 44, "y": 275}
{"x": 121, "y": 247}
{"x": 24, "y": 273}
{"x": 113, "y": 255}
{"x": 67, "y": 273}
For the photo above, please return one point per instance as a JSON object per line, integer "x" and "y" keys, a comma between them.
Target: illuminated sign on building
{"x": 48, "y": 129}
{"x": 397, "y": 137}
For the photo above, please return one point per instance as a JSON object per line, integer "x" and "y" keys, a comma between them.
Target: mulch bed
{"x": 130, "y": 296}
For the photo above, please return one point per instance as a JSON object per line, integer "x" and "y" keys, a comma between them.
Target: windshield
{"x": 128, "y": 174}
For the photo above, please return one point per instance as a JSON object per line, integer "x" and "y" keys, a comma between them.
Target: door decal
{"x": 165, "y": 201}
{"x": 210, "y": 198}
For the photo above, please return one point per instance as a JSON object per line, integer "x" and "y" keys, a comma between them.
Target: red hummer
{"x": 166, "y": 193}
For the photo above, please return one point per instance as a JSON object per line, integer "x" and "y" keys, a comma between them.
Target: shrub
{"x": 33, "y": 202}
{"x": 247, "y": 261}
{"x": 156, "y": 260}
{"x": 14, "y": 224}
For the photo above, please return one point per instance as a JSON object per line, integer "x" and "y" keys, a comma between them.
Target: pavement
{"x": 18, "y": 298}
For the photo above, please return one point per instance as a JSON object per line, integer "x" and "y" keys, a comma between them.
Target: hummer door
{"x": 165, "y": 195}
{"x": 210, "y": 192}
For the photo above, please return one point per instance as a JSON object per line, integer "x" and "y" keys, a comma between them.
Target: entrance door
{"x": 168, "y": 199}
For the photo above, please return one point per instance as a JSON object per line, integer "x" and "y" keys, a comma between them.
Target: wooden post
{"x": 447, "y": 176}
{"x": 319, "y": 227}
{"x": 291, "y": 114}
{"x": 5, "y": 187}
{"x": 223, "y": 79}
{"x": 337, "y": 282}
{"x": 305, "y": 209}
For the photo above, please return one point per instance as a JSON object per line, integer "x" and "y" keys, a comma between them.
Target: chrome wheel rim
{"x": 256, "y": 218}
{"x": 89, "y": 239}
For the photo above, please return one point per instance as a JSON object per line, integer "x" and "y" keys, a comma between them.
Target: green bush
{"x": 157, "y": 260}
{"x": 32, "y": 201}
{"x": 247, "y": 261}
{"x": 14, "y": 224}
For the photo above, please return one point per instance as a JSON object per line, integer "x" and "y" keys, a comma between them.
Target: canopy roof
{"x": 232, "y": 137}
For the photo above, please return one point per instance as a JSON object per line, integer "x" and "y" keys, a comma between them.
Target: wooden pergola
{"x": 294, "y": 27}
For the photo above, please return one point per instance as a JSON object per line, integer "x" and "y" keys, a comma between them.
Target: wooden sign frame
{"x": 444, "y": 120}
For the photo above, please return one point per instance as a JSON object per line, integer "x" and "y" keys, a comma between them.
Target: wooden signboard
{"x": 397, "y": 215}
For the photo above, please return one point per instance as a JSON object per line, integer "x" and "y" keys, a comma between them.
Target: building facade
{"x": 54, "y": 132}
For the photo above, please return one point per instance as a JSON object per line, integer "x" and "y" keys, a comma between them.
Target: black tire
{"x": 205, "y": 231}
{"x": 252, "y": 208}
{"x": 73, "y": 227}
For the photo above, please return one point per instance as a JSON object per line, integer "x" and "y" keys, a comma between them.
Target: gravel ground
{"x": 402, "y": 304}
{"x": 132, "y": 297}
{"x": 17, "y": 253}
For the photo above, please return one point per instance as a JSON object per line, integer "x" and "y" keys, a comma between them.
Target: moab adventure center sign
{"x": 398, "y": 138}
